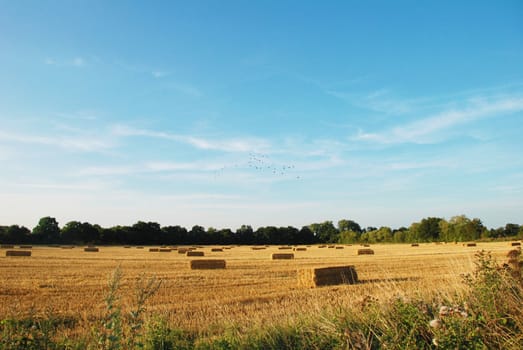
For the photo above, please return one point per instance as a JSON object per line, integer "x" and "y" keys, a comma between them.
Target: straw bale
{"x": 182, "y": 250}
{"x": 67, "y": 247}
{"x": 471, "y": 244}
{"x": 281, "y": 248}
{"x": 91, "y": 249}
{"x": 164, "y": 250}
{"x": 216, "y": 249}
{"x": 366, "y": 245}
{"x": 514, "y": 254}
{"x": 258, "y": 248}
{"x": 321, "y": 246}
{"x": 207, "y": 264}
{"x": 327, "y": 276}
{"x": 26, "y": 247}
{"x": 127, "y": 246}
{"x": 278, "y": 256}
{"x": 331, "y": 246}
{"x": 515, "y": 244}
{"x": 140, "y": 247}
{"x": 365, "y": 252}
{"x": 153, "y": 249}
{"x": 7, "y": 246}
{"x": 194, "y": 253}
{"x": 414, "y": 245}
{"x": 17, "y": 253}
{"x": 300, "y": 249}
{"x": 340, "y": 247}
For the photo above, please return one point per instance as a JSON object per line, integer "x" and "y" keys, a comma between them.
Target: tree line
{"x": 430, "y": 229}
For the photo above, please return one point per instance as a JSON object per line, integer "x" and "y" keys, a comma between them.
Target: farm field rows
{"x": 253, "y": 289}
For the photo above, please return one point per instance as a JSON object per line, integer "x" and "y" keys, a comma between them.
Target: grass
{"x": 256, "y": 303}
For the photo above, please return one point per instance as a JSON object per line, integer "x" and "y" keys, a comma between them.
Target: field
{"x": 253, "y": 289}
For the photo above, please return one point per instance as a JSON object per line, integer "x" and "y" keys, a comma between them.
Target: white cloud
{"x": 228, "y": 145}
{"x": 85, "y": 144}
{"x": 77, "y": 62}
{"x": 159, "y": 74}
{"x": 428, "y": 130}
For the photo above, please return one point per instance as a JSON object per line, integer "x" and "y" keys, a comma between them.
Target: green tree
{"x": 325, "y": 232}
{"x": 47, "y": 230}
{"x": 349, "y": 225}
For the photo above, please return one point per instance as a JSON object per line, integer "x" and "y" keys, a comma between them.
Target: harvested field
{"x": 252, "y": 288}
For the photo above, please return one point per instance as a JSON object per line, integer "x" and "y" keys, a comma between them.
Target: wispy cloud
{"x": 227, "y": 145}
{"x": 85, "y": 144}
{"x": 429, "y": 129}
{"x": 77, "y": 62}
{"x": 159, "y": 74}
{"x": 380, "y": 100}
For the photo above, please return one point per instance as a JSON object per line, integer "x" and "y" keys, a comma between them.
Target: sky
{"x": 223, "y": 113}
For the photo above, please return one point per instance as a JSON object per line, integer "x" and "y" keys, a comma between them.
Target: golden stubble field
{"x": 253, "y": 289}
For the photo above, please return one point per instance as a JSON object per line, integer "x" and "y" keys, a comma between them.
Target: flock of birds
{"x": 261, "y": 163}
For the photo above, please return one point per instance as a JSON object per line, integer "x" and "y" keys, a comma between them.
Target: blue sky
{"x": 223, "y": 113}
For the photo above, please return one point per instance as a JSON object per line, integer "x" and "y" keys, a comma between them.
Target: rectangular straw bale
{"x": 278, "y": 256}
{"x": 471, "y": 244}
{"x": 414, "y": 245}
{"x": 182, "y": 250}
{"x": 327, "y": 276}
{"x": 17, "y": 253}
{"x": 194, "y": 253}
{"x": 514, "y": 244}
{"x": 258, "y": 248}
{"x": 127, "y": 246}
{"x": 365, "y": 251}
{"x": 67, "y": 247}
{"x": 282, "y": 248}
{"x": 366, "y": 245}
{"x": 26, "y": 247}
{"x": 153, "y": 249}
{"x": 216, "y": 249}
{"x": 7, "y": 246}
{"x": 207, "y": 264}
{"x": 330, "y": 246}
{"x": 91, "y": 249}
{"x": 321, "y": 246}
{"x": 300, "y": 249}
{"x": 164, "y": 250}
{"x": 339, "y": 247}
{"x": 139, "y": 247}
